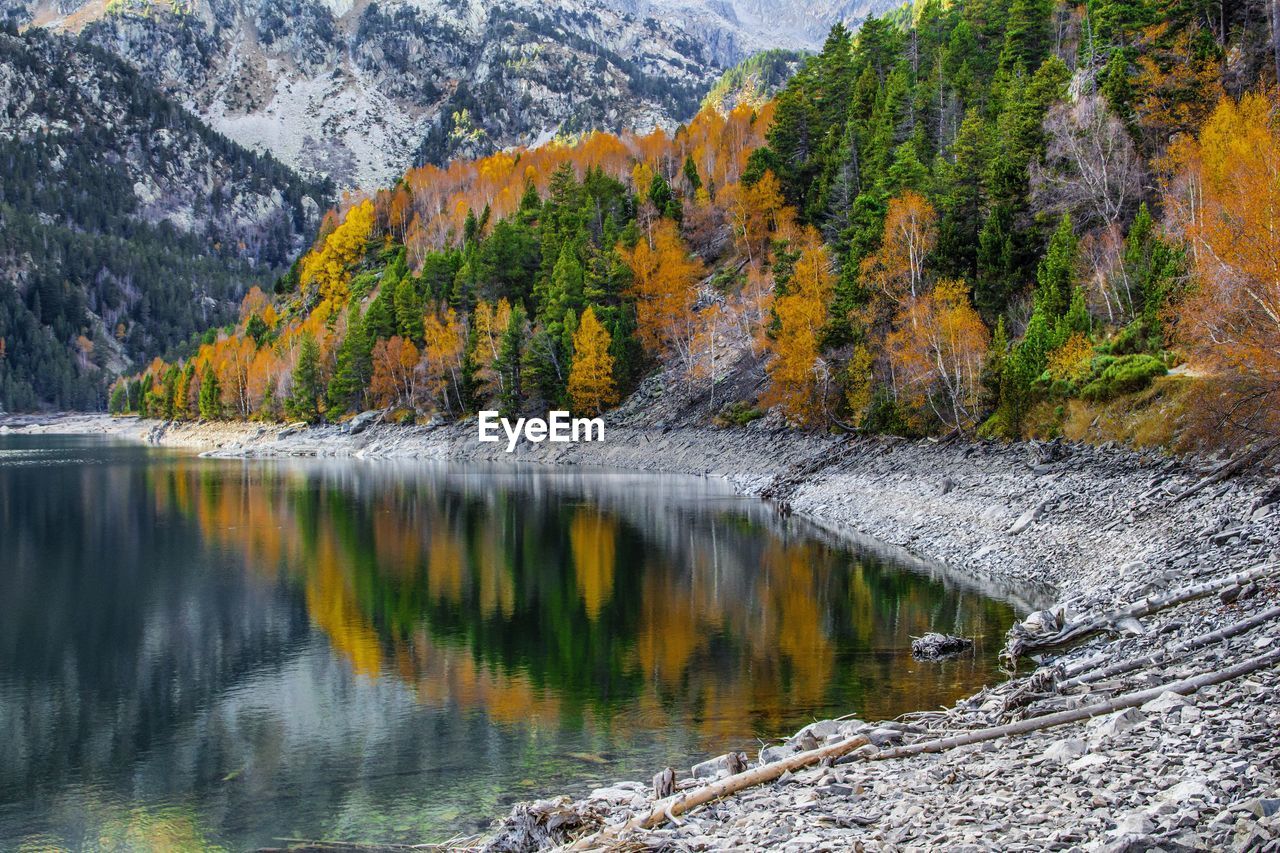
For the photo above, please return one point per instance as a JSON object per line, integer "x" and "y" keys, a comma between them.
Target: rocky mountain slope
{"x": 359, "y": 91}
{"x": 126, "y": 224}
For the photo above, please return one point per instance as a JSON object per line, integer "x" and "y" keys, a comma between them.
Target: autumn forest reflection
{"x": 550, "y": 593}
{"x": 411, "y": 611}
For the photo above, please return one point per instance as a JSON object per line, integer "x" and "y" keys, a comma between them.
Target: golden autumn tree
{"x": 1224, "y": 199}
{"x": 895, "y": 272}
{"x": 664, "y": 282}
{"x": 936, "y": 353}
{"x": 796, "y": 373}
{"x": 756, "y": 213}
{"x": 591, "y": 384}
{"x": 327, "y": 268}
{"x": 444, "y": 343}
{"x": 394, "y": 381}
{"x": 488, "y": 323}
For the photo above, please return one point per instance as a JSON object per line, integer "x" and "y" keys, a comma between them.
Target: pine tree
{"x": 210, "y": 402}
{"x": 408, "y": 311}
{"x": 307, "y": 385}
{"x": 1055, "y": 276}
{"x": 354, "y": 366}
{"x": 509, "y": 362}
{"x": 591, "y": 382}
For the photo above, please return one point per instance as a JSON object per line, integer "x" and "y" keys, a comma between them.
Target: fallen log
{"x": 1075, "y": 715}
{"x": 672, "y": 807}
{"x": 1226, "y": 470}
{"x": 1195, "y": 643}
{"x": 1021, "y": 642}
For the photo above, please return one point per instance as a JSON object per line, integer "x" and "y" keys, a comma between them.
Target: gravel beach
{"x": 1076, "y": 532}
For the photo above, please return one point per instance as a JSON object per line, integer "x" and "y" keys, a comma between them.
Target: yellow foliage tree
{"x": 591, "y": 385}
{"x": 327, "y": 269}
{"x": 936, "y": 352}
{"x": 1224, "y": 198}
{"x": 664, "y": 282}
{"x": 796, "y": 372}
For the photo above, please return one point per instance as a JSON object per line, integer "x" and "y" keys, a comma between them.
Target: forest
{"x": 978, "y": 217}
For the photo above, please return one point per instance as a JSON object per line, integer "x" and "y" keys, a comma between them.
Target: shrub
{"x": 737, "y": 414}
{"x": 1122, "y": 375}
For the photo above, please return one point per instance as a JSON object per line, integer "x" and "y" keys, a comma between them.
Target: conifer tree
{"x": 210, "y": 402}
{"x": 408, "y": 311}
{"x": 591, "y": 382}
{"x": 306, "y": 389}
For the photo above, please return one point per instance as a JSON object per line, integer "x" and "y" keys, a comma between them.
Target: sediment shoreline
{"x": 1091, "y": 529}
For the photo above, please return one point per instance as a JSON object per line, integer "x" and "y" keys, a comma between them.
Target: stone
{"x": 1134, "y": 823}
{"x": 1028, "y": 518}
{"x": 1064, "y": 751}
{"x": 934, "y": 646}
{"x": 1165, "y": 702}
{"x": 363, "y": 421}
{"x": 1116, "y": 724}
{"x": 1186, "y": 790}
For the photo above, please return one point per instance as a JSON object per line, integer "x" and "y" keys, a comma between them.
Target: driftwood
{"x": 1226, "y": 470}
{"x": 1225, "y": 633}
{"x": 672, "y": 807}
{"x": 1075, "y": 715}
{"x": 1021, "y": 642}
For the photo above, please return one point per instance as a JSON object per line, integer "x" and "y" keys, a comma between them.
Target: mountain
{"x": 126, "y": 224}
{"x": 768, "y": 23}
{"x": 358, "y": 91}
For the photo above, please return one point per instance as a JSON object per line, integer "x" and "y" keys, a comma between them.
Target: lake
{"x": 199, "y": 653}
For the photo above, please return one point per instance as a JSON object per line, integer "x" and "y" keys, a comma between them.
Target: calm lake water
{"x": 198, "y": 652}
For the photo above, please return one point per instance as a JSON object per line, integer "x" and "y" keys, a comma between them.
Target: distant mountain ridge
{"x": 126, "y": 225}
{"x": 359, "y": 90}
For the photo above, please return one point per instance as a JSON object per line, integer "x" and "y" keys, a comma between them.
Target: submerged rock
{"x": 934, "y": 646}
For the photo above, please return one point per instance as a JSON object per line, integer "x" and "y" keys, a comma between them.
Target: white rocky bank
{"x": 1093, "y": 529}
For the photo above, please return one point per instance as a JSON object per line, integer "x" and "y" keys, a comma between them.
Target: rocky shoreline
{"x": 1088, "y": 529}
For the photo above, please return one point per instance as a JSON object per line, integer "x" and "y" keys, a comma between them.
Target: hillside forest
{"x": 985, "y": 216}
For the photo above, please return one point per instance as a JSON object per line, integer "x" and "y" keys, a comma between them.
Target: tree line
{"x": 957, "y": 219}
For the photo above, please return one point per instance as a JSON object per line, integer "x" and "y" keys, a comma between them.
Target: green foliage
{"x": 354, "y": 367}
{"x": 210, "y": 401}
{"x": 408, "y": 311}
{"x": 306, "y": 385}
{"x": 1122, "y": 375}
{"x": 737, "y": 413}
{"x": 1055, "y": 275}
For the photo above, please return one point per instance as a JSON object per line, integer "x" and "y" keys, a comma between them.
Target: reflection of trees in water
{"x": 109, "y": 617}
{"x": 543, "y": 593}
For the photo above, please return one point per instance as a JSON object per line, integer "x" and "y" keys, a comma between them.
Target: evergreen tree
{"x": 210, "y": 402}
{"x": 1055, "y": 276}
{"x": 509, "y": 361}
{"x": 408, "y": 311}
{"x": 354, "y": 366}
{"x": 306, "y": 387}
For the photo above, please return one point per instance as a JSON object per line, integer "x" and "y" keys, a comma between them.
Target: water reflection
{"x": 236, "y": 652}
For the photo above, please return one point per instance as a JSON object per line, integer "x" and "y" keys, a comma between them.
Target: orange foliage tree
{"x": 394, "y": 381}
{"x": 896, "y": 270}
{"x": 664, "y": 282}
{"x": 591, "y": 385}
{"x": 797, "y": 372}
{"x": 444, "y": 343}
{"x": 936, "y": 354}
{"x": 1224, "y": 199}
